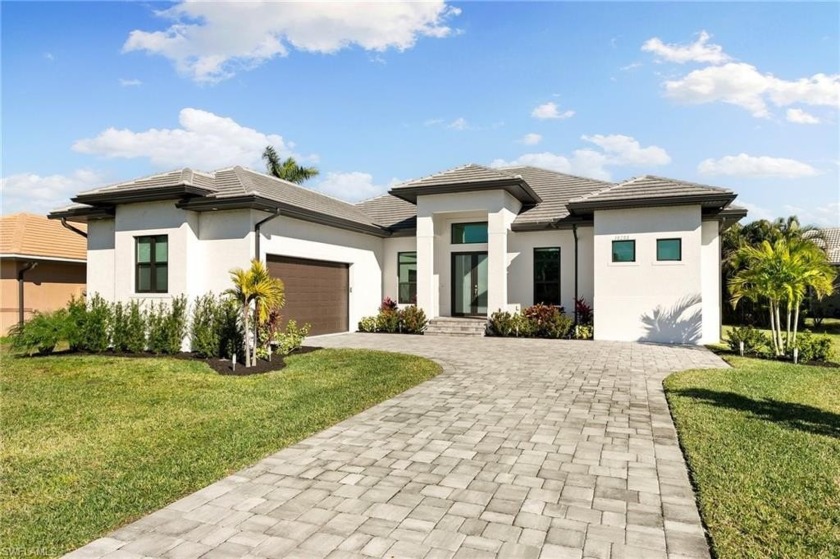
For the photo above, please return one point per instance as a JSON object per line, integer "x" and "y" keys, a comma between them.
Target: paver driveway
{"x": 520, "y": 448}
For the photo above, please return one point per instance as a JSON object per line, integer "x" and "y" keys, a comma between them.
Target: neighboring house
{"x": 464, "y": 242}
{"x": 830, "y": 306}
{"x": 42, "y": 265}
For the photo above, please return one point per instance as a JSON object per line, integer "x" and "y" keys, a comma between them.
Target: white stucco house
{"x": 463, "y": 242}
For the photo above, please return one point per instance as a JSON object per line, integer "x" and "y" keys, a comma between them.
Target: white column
{"x": 497, "y": 280}
{"x": 426, "y": 266}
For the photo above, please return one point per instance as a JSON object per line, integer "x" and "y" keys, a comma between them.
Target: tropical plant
{"x": 257, "y": 292}
{"x": 205, "y": 327}
{"x": 292, "y": 338}
{"x": 40, "y": 333}
{"x": 288, "y": 169}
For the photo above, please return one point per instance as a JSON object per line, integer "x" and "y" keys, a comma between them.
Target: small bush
{"x": 413, "y": 320}
{"x": 129, "y": 327}
{"x": 583, "y": 332}
{"x": 814, "y": 347}
{"x": 92, "y": 323}
{"x": 206, "y": 328}
{"x": 559, "y": 326}
{"x": 755, "y": 341}
{"x": 168, "y": 326}
{"x": 501, "y": 323}
{"x": 583, "y": 310}
{"x": 41, "y": 333}
{"x": 293, "y": 337}
{"x": 367, "y": 324}
{"x": 388, "y": 305}
{"x": 546, "y": 321}
{"x": 231, "y": 340}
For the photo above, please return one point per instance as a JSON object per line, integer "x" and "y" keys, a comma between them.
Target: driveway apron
{"x": 519, "y": 448}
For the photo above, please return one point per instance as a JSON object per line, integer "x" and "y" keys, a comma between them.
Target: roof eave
{"x": 142, "y": 195}
{"x": 588, "y": 206}
{"x": 83, "y": 215}
{"x": 517, "y": 188}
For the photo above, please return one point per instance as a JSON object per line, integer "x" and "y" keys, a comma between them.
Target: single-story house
{"x": 463, "y": 242}
{"x": 42, "y": 265}
{"x": 830, "y": 306}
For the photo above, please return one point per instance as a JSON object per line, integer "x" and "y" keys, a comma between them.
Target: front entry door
{"x": 469, "y": 284}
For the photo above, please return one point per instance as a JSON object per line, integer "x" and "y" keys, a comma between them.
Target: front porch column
{"x": 426, "y": 288}
{"x": 497, "y": 280}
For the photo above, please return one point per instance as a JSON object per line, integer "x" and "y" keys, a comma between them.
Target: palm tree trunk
{"x": 795, "y": 323}
{"x": 787, "y": 334}
{"x": 245, "y": 314}
{"x": 773, "y": 330}
{"x": 779, "y": 330}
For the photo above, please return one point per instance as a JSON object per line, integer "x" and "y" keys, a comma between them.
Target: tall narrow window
{"x": 469, "y": 233}
{"x": 547, "y": 276}
{"x": 152, "y": 264}
{"x": 624, "y": 251}
{"x": 407, "y": 270}
{"x": 669, "y": 250}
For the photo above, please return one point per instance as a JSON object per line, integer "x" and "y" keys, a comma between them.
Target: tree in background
{"x": 288, "y": 169}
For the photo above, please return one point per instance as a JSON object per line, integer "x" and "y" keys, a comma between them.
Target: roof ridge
{"x": 555, "y": 172}
{"x": 290, "y": 183}
{"x": 450, "y": 170}
{"x": 138, "y": 179}
{"x": 692, "y": 183}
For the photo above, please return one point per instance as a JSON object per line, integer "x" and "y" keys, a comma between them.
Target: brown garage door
{"x": 316, "y": 292}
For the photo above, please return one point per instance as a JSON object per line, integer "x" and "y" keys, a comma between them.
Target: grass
{"x": 763, "y": 444}
{"x": 92, "y": 442}
{"x": 830, "y": 327}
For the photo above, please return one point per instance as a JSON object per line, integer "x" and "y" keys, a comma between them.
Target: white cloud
{"x": 616, "y": 150}
{"x": 28, "y": 192}
{"x": 130, "y": 83}
{"x": 823, "y": 216}
{"x": 743, "y": 85}
{"x": 49, "y": 56}
{"x": 211, "y": 41}
{"x": 352, "y": 186}
{"x": 751, "y": 166}
{"x": 801, "y": 117}
{"x": 531, "y": 139}
{"x": 204, "y": 141}
{"x": 631, "y": 66}
{"x": 550, "y": 111}
{"x": 459, "y": 123}
{"x": 756, "y": 212}
{"x": 699, "y": 51}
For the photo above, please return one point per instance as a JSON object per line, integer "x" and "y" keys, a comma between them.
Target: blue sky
{"x": 742, "y": 95}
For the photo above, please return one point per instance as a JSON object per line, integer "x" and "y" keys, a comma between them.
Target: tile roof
{"x": 465, "y": 174}
{"x": 649, "y": 188}
{"x": 390, "y": 211}
{"x": 35, "y": 235}
{"x": 832, "y": 243}
{"x": 172, "y": 178}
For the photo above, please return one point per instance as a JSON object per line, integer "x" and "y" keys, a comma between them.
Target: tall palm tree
{"x": 288, "y": 169}
{"x": 255, "y": 287}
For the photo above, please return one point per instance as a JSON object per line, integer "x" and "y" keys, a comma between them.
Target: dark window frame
{"x": 465, "y": 223}
{"x": 152, "y": 265}
{"x": 679, "y": 257}
{"x": 558, "y": 281}
{"x": 411, "y": 300}
{"x": 612, "y": 251}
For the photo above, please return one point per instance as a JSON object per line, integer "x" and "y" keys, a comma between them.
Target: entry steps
{"x": 454, "y": 326}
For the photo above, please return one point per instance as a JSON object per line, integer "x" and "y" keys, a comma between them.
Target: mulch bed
{"x": 221, "y": 366}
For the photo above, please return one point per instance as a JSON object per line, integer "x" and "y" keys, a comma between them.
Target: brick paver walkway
{"x": 520, "y": 448}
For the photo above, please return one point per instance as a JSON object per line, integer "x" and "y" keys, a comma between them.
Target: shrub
{"x": 129, "y": 327}
{"x": 292, "y": 339}
{"x": 206, "y": 327}
{"x": 40, "y": 333}
{"x": 388, "y": 305}
{"x": 547, "y": 321}
{"x": 584, "y": 332}
{"x": 755, "y": 341}
{"x": 231, "y": 340}
{"x": 413, "y": 320}
{"x": 168, "y": 326}
{"x": 501, "y": 323}
{"x": 583, "y": 310}
{"x": 388, "y": 321}
{"x": 814, "y": 347}
{"x": 559, "y": 326}
{"x": 522, "y": 326}
{"x": 367, "y": 324}
{"x": 90, "y": 324}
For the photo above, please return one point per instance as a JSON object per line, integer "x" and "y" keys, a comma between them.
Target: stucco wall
{"x": 291, "y": 237}
{"x": 101, "y": 258}
{"x": 710, "y": 281}
{"x": 521, "y": 247}
{"x": 391, "y": 247}
{"x": 648, "y": 300}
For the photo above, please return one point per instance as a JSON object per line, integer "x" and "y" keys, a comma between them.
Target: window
{"x": 152, "y": 264}
{"x": 547, "y": 276}
{"x": 668, "y": 250}
{"x": 469, "y": 233}
{"x": 407, "y": 270}
{"x": 624, "y": 251}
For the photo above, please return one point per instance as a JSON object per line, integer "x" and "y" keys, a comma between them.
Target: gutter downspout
{"x": 574, "y": 232}
{"x": 257, "y": 232}
{"x": 28, "y": 266}
{"x": 71, "y": 228}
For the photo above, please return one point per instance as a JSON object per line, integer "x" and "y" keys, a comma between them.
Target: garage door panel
{"x": 317, "y": 292}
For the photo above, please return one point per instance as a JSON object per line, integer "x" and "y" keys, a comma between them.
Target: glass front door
{"x": 469, "y": 284}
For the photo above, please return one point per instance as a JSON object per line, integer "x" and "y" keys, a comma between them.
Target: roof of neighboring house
{"x": 650, "y": 190}
{"x": 25, "y": 234}
{"x": 832, "y": 244}
{"x": 549, "y": 198}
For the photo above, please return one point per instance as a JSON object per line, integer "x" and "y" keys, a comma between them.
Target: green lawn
{"x": 763, "y": 444}
{"x": 91, "y": 443}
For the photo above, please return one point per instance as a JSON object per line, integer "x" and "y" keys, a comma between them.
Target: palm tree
{"x": 255, "y": 287}
{"x": 288, "y": 169}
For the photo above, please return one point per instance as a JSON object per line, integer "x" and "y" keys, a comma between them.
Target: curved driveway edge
{"x": 519, "y": 448}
